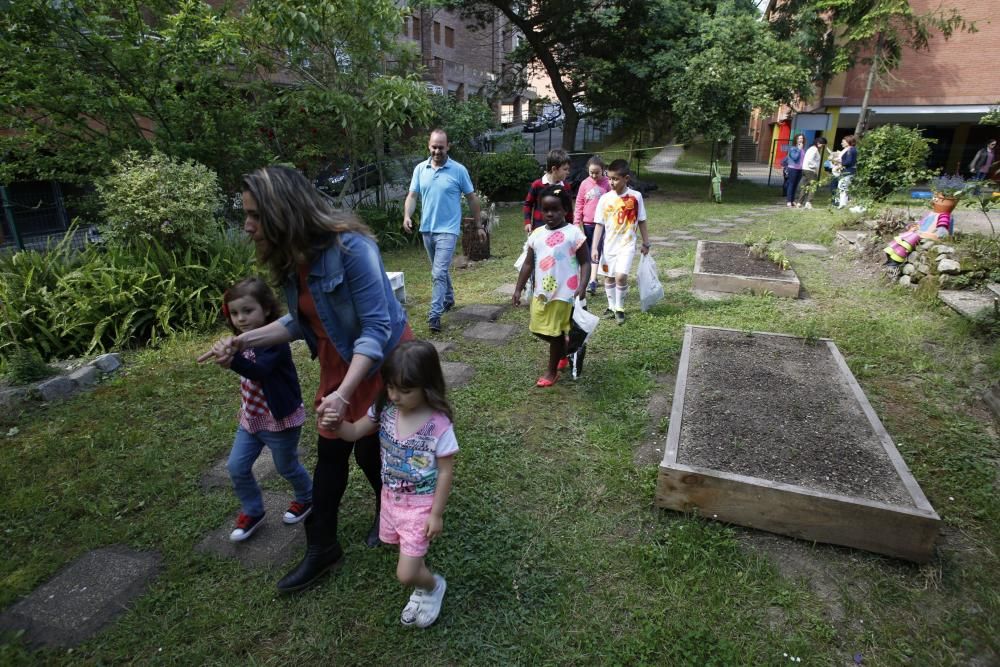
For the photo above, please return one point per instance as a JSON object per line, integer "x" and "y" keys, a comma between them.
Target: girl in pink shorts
{"x": 413, "y": 420}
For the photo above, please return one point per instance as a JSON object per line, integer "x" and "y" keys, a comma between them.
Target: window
{"x": 416, "y": 28}
{"x": 449, "y": 37}
{"x": 406, "y": 26}
{"x": 437, "y": 32}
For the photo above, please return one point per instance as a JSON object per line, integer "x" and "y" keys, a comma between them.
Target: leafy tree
{"x": 464, "y": 121}
{"x": 992, "y": 117}
{"x": 738, "y": 65}
{"x": 81, "y": 82}
{"x": 335, "y": 94}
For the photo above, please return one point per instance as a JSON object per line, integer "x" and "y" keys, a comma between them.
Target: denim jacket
{"x": 354, "y": 301}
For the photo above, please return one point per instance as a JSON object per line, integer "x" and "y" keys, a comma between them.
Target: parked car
{"x": 331, "y": 178}
{"x": 543, "y": 123}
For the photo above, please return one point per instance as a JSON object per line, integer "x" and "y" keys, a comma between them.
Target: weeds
{"x": 766, "y": 247}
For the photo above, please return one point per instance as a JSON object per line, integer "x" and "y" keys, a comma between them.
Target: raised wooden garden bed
{"x": 773, "y": 432}
{"x": 726, "y": 267}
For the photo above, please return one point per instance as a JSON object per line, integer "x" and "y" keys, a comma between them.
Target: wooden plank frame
{"x": 903, "y": 531}
{"x": 787, "y": 286}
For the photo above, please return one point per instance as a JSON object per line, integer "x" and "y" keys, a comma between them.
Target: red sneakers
{"x": 296, "y": 512}
{"x": 246, "y": 526}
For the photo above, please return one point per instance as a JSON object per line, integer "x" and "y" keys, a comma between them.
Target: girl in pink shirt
{"x": 587, "y": 195}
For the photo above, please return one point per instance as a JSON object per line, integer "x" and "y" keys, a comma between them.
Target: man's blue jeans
{"x": 284, "y": 446}
{"x": 440, "y": 247}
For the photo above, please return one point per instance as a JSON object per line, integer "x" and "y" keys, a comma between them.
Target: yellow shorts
{"x": 550, "y": 318}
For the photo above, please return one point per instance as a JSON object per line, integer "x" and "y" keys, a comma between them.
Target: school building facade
{"x": 943, "y": 90}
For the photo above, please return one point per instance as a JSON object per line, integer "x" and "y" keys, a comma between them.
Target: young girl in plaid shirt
{"x": 271, "y": 411}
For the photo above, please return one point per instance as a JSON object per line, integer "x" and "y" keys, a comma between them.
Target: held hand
{"x": 435, "y": 526}
{"x": 407, "y": 224}
{"x": 222, "y": 351}
{"x": 527, "y": 228}
{"x": 516, "y": 298}
{"x": 595, "y": 256}
{"x": 331, "y": 411}
{"x": 644, "y": 249}
{"x": 482, "y": 234}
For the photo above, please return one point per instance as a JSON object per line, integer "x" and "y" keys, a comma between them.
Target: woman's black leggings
{"x": 330, "y": 481}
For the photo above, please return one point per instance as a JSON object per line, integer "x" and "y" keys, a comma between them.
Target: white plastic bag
{"x": 585, "y": 319}
{"x": 650, "y": 289}
{"x": 520, "y": 260}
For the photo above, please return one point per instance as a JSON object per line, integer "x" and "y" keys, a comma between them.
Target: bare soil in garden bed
{"x": 732, "y": 258}
{"x": 777, "y": 408}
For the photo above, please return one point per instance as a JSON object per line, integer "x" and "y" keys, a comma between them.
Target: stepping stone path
{"x": 685, "y": 237}
{"x": 84, "y": 598}
{"x": 726, "y": 225}
{"x": 712, "y": 230}
{"x": 655, "y": 239}
{"x": 478, "y": 313}
{"x": 457, "y": 374}
{"x": 743, "y": 220}
{"x": 673, "y": 274}
{"x": 664, "y": 244}
{"x": 218, "y": 477}
{"x": 809, "y": 247}
{"x": 273, "y": 544}
{"x": 443, "y": 347}
{"x": 507, "y": 289}
{"x": 491, "y": 332}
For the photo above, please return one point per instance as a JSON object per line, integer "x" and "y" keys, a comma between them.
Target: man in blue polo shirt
{"x": 440, "y": 184}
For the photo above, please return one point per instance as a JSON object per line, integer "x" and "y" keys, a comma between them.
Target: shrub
{"x": 890, "y": 158}
{"x": 505, "y": 176}
{"x": 159, "y": 198}
{"x": 69, "y": 302}
{"x": 386, "y": 222}
{"x": 26, "y": 365}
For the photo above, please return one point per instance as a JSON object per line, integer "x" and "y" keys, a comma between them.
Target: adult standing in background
{"x": 811, "y": 166}
{"x": 983, "y": 161}
{"x": 849, "y": 165}
{"x": 440, "y": 183}
{"x": 793, "y": 167}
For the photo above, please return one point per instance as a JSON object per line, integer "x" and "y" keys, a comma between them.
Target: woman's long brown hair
{"x": 297, "y": 219}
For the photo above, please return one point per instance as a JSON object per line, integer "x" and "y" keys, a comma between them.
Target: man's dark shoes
{"x": 434, "y": 325}
{"x": 449, "y": 306}
{"x": 317, "y": 562}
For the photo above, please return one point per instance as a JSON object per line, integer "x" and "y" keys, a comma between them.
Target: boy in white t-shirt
{"x": 618, "y": 214}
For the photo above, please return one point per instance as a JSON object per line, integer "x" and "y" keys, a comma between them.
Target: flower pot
{"x": 943, "y": 204}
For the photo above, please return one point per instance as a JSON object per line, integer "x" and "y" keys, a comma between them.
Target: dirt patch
{"x": 650, "y": 449}
{"x": 732, "y": 258}
{"x": 777, "y": 408}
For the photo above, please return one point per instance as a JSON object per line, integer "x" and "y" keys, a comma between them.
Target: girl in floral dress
{"x": 557, "y": 255}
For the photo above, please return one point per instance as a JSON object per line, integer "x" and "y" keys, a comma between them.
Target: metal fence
{"x": 34, "y": 216}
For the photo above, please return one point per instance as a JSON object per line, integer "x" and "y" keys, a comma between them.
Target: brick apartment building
{"x": 943, "y": 90}
{"x": 467, "y": 63}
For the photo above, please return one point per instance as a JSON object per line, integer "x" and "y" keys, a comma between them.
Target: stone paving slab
{"x": 273, "y": 544}
{"x": 665, "y": 244}
{"x": 217, "y": 476}
{"x": 457, "y": 374}
{"x": 726, "y": 225}
{"x": 710, "y": 295}
{"x": 83, "y": 598}
{"x": 654, "y": 239}
{"x": 971, "y": 304}
{"x": 673, "y": 274}
{"x": 507, "y": 289}
{"x": 685, "y": 237}
{"x": 742, "y": 220}
{"x": 491, "y": 332}
{"x": 712, "y": 230}
{"x": 479, "y": 312}
{"x": 443, "y": 347}
{"x": 809, "y": 247}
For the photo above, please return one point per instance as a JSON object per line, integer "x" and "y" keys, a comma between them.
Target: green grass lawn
{"x": 553, "y": 550}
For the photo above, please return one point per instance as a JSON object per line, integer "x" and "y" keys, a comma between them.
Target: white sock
{"x": 620, "y": 293}
{"x": 609, "y": 290}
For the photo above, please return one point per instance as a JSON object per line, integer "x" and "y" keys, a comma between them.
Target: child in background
{"x": 271, "y": 413}
{"x": 413, "y": 420}
{"x": 587, "y": 196}
{"x": 556, "y": 172}
{"x": 557, "y": 254}
{"x": 618, "y": 214}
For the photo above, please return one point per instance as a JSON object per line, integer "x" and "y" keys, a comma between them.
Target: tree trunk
{"x": 734, "y": 163}
{"x": 571, "y": 121}
{"x": 868, "y": 87}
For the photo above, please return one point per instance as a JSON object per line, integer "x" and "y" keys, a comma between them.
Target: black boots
{"x": 317, "y": 562}
{"x": 372, "y": 540}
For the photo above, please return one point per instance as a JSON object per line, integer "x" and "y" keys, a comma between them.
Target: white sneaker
{"x": 808, "y": 205}
{"x": 424, "y": 607}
